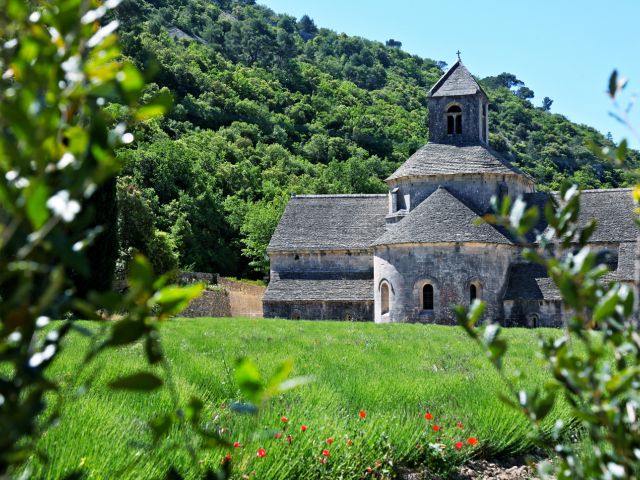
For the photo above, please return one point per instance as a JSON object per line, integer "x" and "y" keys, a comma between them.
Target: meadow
{"x": 394, "y": 374}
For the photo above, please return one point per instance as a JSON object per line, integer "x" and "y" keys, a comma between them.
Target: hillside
{"x": 266, "y": 105}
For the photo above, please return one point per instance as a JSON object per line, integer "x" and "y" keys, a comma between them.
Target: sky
{"x": 562, "y": 49}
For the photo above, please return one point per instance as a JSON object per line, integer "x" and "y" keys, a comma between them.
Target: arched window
{"x": 384, "y": 298}
{"x": 475, "y": 291}
{"x": 454, "y": 120}
{"x": 427, "y": 297}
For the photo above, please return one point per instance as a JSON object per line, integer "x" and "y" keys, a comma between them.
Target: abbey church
{"x": 412, "y": 254}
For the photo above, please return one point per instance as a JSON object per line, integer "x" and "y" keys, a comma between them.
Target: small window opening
{"x": 384, "y": 299}
{"x": 427, "y": 297}
{"x": 473, "y": 292}
{"x": 454, "y": 120}
{"x": 484, "y": 123}
{"x": 297, "y": 257}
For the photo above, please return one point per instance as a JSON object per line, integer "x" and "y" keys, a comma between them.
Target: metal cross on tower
{"x": 458, "y": 53}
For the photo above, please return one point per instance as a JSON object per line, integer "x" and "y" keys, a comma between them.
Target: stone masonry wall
{"x": 450, "y": 269}
{"x": 245, "y": 299}
{"x": 212, "y": 303}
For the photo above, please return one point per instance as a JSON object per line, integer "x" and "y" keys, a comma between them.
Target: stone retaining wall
{"x": 212, "y": 303}
{"x": 245, "y": 299}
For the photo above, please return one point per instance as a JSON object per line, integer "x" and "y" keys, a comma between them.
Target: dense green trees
{"x": 266, "y": 106}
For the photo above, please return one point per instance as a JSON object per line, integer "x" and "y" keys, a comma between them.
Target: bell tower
{"x": 458, "y": 109}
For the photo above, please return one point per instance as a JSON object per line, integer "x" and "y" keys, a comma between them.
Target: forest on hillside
{"x": 266, "y": 105}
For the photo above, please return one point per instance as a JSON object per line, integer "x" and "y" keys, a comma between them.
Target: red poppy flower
{"x": 323, "y": 460}
{"x": 349, "y": 443}
{"x": 289, "y": 439}
{"x": 284, "y": 419}
{"x": 226, "y": 459}
{"x": 303, "y": 428}
{"x": 278, "y": 435}
{"x": 262, "y": 453}
{"x": 428, "y": 416}
{"x": 459, "y": 425}
{"x": 326, "y": 453}
{"x": 329, "y": 441}
{"x": 369, "y": 469}
{"x": 435, "y": 428}
{"x": 363, "y": 414}
{"x": 236, "y": 444}
{"x": 472, "y": 441}
{"x": 459, "y": 445}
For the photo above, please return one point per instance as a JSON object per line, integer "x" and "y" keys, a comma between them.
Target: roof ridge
{"x": 340, "y": 195}
{"x": 445, "y": 77}
{"x": 592, "y": 190}
{"x": 395, "y": 235}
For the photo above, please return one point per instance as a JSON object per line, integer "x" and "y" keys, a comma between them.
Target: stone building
{"x": 410, "y": 255}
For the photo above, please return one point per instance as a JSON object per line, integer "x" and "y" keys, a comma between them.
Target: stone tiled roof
{"x": 441, "y": 159}
{"x": 457, "y": 81}
{"x": 330, "y": 222}
{"x": 529, "y": 281}
{"x": 441, "y": 218}
{"x": 613, "y": 210}
{"x": 328, "y": 290}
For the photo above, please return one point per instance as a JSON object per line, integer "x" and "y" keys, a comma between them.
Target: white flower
{"x": 63, "y": 206}
{"x": 66, "y": 160}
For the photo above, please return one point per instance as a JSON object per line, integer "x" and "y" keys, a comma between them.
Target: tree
{"x": 393, "y": 43}
{"x": 525, "y": 93}
{"x": 306, "y": 25}
{"x": 546, "y": 104}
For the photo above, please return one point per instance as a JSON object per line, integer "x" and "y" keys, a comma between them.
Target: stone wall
{"x": 245, "y": 299}
{"x": 471, "y": 119}
{"x": 534, "y": 313}
{"x": 347, "y": 311}
{"x": 450, "y": 269}
{"x": 298, "y": 264}
{"x": 475, "y": 190}
{"x": 212, "y": 303}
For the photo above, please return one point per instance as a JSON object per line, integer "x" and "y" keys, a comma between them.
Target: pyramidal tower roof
{"x": 457, "y": 81}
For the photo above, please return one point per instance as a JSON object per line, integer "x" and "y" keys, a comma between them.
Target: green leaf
{"x": 141, "y": 381}
{"x": 160, "y": 105}
{"x": 606, "y": 305}
{"x": 249, "y": 380}
{"x": 140, "y": 273}
{"x": 125, "y": 332}
{"x": 280, "y": 375}
{"x": 621, "y": 151}
{"x": 172, "y": 300}
{"x": 153, "y": 348}
{"x": 160, "y": 426}
{"x": 613, "y": 84}
{"x": 37, "y": 195}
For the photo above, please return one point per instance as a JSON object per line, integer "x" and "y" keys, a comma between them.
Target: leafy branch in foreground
{"x": 59, "y": 68}
{"x": 594, "y": 362}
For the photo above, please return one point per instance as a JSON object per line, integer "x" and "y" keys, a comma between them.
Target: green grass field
{"x": 395, "y": 373}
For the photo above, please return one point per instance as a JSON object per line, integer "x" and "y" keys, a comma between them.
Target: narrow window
{"x": 454, "y": 120}
{"x": 484, "y": 123}
{"x": 384, "y": 299}
{"x": 473, "y": 292}
{"x": 427, "y": 297}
